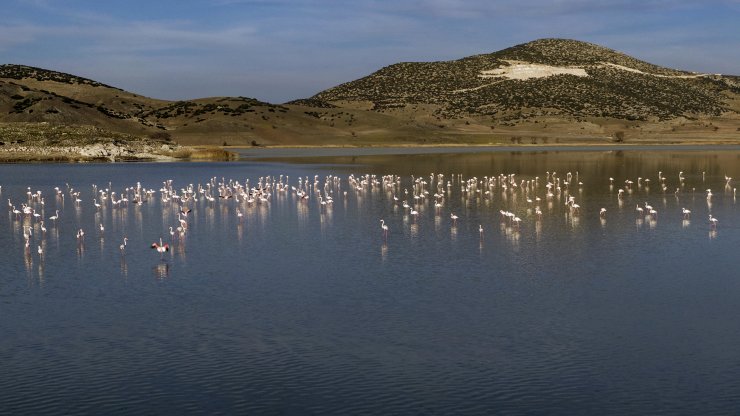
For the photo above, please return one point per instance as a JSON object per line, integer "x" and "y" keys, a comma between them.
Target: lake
{"x": 284, "y": 295}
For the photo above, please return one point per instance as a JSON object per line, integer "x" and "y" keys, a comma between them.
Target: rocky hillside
{"x": 546, "y": 91}
{"x": 544, "y": 77}
{"x": 36, "y": 95}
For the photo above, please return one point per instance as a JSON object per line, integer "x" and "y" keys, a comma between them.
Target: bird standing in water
{"x": 161, "y": 248}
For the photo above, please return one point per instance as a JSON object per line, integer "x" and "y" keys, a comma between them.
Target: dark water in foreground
{"x": 302, "y": 308}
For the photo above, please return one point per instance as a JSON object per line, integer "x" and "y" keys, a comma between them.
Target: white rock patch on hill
{"x": 523, "y": 71}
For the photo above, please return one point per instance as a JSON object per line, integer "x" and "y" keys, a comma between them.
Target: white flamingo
{"x": 384, "y": 227}
{"x": 414, "y": 213}
{"x": 713, "y": 221}
{"x": 183, "y": 223}
{"x": 517, "y": 221}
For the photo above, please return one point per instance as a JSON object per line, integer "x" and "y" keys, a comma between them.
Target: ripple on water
{"x": 307, "y": 310}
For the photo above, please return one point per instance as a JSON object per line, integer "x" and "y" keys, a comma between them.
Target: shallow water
{"x": 304, "y": 308}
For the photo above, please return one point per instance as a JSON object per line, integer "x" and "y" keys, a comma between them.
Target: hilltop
{"x": 544, "y": 77}
{"x": 554, "y": 90}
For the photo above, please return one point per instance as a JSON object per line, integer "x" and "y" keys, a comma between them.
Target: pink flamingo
{"x": 161, "y": 248}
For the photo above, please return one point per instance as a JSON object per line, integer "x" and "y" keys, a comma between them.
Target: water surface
{"x": 302, "y": 308}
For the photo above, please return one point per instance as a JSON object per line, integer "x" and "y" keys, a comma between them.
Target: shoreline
{"x": 469, "y": 147}
{"x": 726, "y": 143}
{"x": 204, "y": 153}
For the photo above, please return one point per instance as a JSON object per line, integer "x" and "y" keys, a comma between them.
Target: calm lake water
{"x": 299, "y": 307}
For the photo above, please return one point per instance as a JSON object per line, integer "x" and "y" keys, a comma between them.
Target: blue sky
{"x": 278, "y": 50}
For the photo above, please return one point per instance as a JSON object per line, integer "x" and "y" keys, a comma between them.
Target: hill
{"x": 544, "y": 77}
{"x": 554, "y": 90}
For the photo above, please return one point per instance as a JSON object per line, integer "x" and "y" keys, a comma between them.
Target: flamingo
{"x": 161, "y": 248}
{"x": 55, "y": 216}
{"x": 713, "y": 221}
{"x": 686, "y": 213}
{"x": 183, "y": 223}
{"x": 454, "y": 218}
{"x": 384, "y": 228}
{"x": 602, "y": 212}
{"x": 123, "y": 246}
{"x": 414, "y": 213}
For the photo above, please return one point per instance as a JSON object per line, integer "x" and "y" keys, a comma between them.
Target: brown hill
{"x": 544, "y": 91}
{"x": 545, "y": 77}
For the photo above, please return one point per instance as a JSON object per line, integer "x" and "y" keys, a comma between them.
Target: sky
{"x": 279, "y": 50}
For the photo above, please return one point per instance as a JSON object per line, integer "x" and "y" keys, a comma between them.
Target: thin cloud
{"x": 19, "y": 34}
{"x": 131, "y": 37}
{"x": 158, "y": 36}
{"x": 479, "y": 9}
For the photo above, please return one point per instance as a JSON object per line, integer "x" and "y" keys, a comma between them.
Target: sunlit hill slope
{"x": 545, "y": 91}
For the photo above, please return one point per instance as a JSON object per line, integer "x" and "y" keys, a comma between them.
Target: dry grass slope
{"x": 459, "y": 90}
{"x": 437, "y": 103}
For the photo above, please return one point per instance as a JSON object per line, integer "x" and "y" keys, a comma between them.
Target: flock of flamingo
{"x": 555, "y": 188}
{"x": 407, "y": 197}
